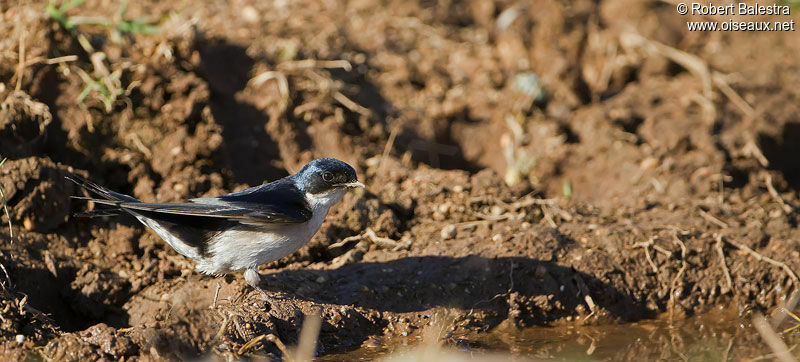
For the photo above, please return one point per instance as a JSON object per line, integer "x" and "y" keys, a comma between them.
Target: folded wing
{"x": 276, "y": 202}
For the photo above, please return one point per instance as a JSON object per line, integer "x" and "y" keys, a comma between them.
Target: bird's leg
{"x": 254, "y": 279}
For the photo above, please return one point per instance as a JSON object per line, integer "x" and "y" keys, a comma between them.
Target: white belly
{"x": 240, "y": 248}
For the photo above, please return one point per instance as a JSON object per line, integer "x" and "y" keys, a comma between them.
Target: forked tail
{"x": 107, "y": 197}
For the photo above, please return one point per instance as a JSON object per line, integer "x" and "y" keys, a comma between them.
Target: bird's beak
{"x": 354, "y": 184}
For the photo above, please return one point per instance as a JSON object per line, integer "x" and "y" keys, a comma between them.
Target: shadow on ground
{"x": 541, "y": 291}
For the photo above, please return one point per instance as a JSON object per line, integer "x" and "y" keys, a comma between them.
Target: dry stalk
{"x": 646, "y": 245}
{"x": 307, "y": 344}
{"x": 388, "y": 147}
{"x": 268, "y": 337}
{"x": 225, "y": 320}
{"x": 774, "y": 193}
{"x": 216, "y": 296}
{"x": 21, "y": 64}
{"x": 351, "y": 105}
{"x": 671, "y": 302}
{"x": 724, "y": 266}
{"x": 369, "y": 234}
{"x": 710, "y": 218}
{"x": 313, "y": 63}
{"x": 5, "y": 208}
{"x": 752, "y": 150}
{"x": 772, "y": 339}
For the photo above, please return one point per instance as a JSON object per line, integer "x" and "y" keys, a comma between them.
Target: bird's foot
{"x": 253, "y": 278}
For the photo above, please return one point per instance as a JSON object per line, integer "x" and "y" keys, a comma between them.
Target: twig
{"x": 385, "y": 242}
{"x": 313, "y": 63}
{"x": 768, "y": 180}
{"x": 710, "y": 218}
{"x": 51, "y": 61}
{"x": 725, "y": 269}
{"x": 283, "y": 85}
{"x": 370, "y": 234}
{"x": 767, "y": 259}
{"x": 5, "y": 272}
{"x": 351, "y": 105}
{"x": 671, "y": 301}
{"x": 5, "y": 208}
{"x": 500, "y": 217}
{"x": 216, "y": 296}
{"x": 772, "y": 339}
{"x": 722, "y": 84}
{"x": 548, "y": 216}
{"x": 225, "y": 320}
{"x": 21, "y": 64}
{"x": 751, "y": 149}
{"x": 646, "y": 245}
{"x": 528, "y": 201}
{"x": 388, "y": 147}
{"x": 584, "y": 289}
{"x": 346, "y": 240}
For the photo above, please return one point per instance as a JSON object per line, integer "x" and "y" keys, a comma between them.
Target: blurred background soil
{"x": 528, "y": 163}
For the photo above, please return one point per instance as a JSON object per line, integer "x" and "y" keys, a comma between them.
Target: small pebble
{"x": 497, "y": 238}
{"x": 449, "y": 232}
{"x": 20, "y": 339}
{"x": 249, "y": 14}
{"x": 27, "y": 224}
{"x": 321, "y": 279}
{"x": 648, "y": 163}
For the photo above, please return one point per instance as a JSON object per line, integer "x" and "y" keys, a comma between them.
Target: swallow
{"x": 240, "y": 230}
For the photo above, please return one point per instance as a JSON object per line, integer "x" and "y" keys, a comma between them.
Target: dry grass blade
{"x": 795, "y": 317}
{"x": 774, "y": 193}
{"x": 725, "y": 269}
{"x": 268, "y": 337}
{"x": 674, "y": 283}
{"x": 5, "y": 208}
{"x": 772, "y": 339}
{"x": 307, "y": 344}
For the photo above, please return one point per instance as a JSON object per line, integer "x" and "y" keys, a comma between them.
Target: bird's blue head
{"x": 326, "y": 174}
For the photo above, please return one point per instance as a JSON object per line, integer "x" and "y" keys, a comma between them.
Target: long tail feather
{"x": 100, "y": 190}
{"x": 97, "y": 213}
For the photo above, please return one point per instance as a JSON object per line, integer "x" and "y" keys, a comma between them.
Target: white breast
{"x": 241, "y": 248}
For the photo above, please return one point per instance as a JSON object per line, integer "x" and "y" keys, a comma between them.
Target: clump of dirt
{"x": 23, "y": 125}
{"x": 526, "y": 164}
{"x": 36, "y": 193}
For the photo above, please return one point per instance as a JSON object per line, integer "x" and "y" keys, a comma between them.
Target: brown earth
{"x": 527, "y": 164}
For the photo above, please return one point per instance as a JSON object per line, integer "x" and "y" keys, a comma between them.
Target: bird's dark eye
{"x": 327, "y": 176}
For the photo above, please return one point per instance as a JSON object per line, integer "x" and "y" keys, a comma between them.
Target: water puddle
{"x": 716, "y": 336}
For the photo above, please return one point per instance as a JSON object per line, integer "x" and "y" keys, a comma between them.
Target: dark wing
{"x": 279, "y": 201}
{"x": 276, "y": 202}
{"x": 197, "y": 223}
